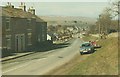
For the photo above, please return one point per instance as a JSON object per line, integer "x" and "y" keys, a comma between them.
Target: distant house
{"x": 51, "y": 36}
{"x": 21, "y": 30}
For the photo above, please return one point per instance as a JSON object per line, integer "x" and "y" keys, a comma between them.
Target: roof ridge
{"x": 16, "y": 12}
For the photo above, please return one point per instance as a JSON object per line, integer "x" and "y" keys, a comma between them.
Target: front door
{"x": 20, "y": 42}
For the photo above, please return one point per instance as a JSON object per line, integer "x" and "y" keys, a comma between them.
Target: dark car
{"x": 86, "y": 48}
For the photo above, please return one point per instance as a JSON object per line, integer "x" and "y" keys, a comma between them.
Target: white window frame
{"x": 29, "y": 36}
{"x": 39, "y": 39}
{"x": 29, "y": 21}
{"x": 8, "y": 41}
{"x": 7, "y": 21}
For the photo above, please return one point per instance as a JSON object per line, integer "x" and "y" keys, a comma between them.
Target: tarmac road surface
{"x": 42, "y": 62}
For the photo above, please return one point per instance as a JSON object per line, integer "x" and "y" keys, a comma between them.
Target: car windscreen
{"x": 86, "y": 45}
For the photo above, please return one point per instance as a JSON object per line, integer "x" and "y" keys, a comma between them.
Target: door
{"x": 20, "y": 42}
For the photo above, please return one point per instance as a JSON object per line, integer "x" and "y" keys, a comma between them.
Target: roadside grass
{"x": 103, "y": 62}
{"x": 89, "y": 38}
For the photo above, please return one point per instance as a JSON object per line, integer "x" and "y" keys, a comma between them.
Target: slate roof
{"x": 16, "y": 12}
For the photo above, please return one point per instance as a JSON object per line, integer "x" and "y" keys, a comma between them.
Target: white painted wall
{"x": 49, "y": 37}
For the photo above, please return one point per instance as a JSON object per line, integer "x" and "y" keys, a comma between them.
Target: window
{"x": 39, "y": 39}
{"x": 7, "y": 24}
{"x": 29, "y": 38}
{"x": 29, "y": 22}
{"x": 43, "y": 37}
{"x": 8, "y": 41}
{"x": 29, "y": 29}
{"x": 86, "y": 45}
{"x": 43, "y": 33}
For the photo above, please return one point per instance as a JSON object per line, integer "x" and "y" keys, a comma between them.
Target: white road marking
{"x": 41, "y": 59}
{"x": 16, "y": 68}
{"x": 21, "y": 66}
{"x": 13, "y": 62}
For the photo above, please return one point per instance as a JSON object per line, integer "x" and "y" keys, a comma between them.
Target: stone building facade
{"x": 21, "y": 30}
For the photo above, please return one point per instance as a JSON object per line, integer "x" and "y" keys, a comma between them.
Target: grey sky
{"x": 84, "y": 9}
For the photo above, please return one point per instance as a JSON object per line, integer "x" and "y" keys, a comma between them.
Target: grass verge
{"x": 103, "y": 62}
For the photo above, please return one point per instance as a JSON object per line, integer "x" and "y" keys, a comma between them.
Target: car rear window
{"x": 86, "y": 45}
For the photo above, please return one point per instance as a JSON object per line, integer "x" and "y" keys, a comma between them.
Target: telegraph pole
{"x": 119, "y": 33}
{"x": 99, "y": 26}
{"x": 119, "y": 23}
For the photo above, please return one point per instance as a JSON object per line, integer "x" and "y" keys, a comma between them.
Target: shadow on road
{"x": 40, "y": 48}
{"x": 44, "y": 48}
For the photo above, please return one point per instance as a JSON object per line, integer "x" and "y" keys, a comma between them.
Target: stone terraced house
{"x": 21, "y": 30}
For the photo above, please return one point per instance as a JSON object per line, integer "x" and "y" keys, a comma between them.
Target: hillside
{"x": 67, "y": 19}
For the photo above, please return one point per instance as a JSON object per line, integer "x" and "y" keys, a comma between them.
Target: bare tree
{"x": 115, "y": 8}
{"x": 104, "y": 21}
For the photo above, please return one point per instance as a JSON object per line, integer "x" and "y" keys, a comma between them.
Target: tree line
{"x": 107, "y": 21}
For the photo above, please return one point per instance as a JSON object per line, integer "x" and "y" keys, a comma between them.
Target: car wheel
{"x": 81, "y": 53}
{"x": 93, "y": 50}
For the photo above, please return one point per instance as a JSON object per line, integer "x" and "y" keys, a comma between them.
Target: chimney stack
{"x": 9, "y": 5}
{"x": 22, "y": 6}
{"x": 31, "y": 10}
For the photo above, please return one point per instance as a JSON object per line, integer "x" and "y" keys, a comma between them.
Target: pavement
{"x": 16, "y": 55}
{"x": 42, "y": 62}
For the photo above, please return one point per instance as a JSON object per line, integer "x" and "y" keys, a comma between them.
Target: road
{"x": 42, "y": 62}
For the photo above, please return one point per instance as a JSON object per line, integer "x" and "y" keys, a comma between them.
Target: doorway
{"x": 20, "y": 42}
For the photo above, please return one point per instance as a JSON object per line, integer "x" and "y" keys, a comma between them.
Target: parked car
{"x": 86, "y": 47}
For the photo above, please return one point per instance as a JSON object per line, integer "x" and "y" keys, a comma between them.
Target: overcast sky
{"x": 84, "y": 9}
